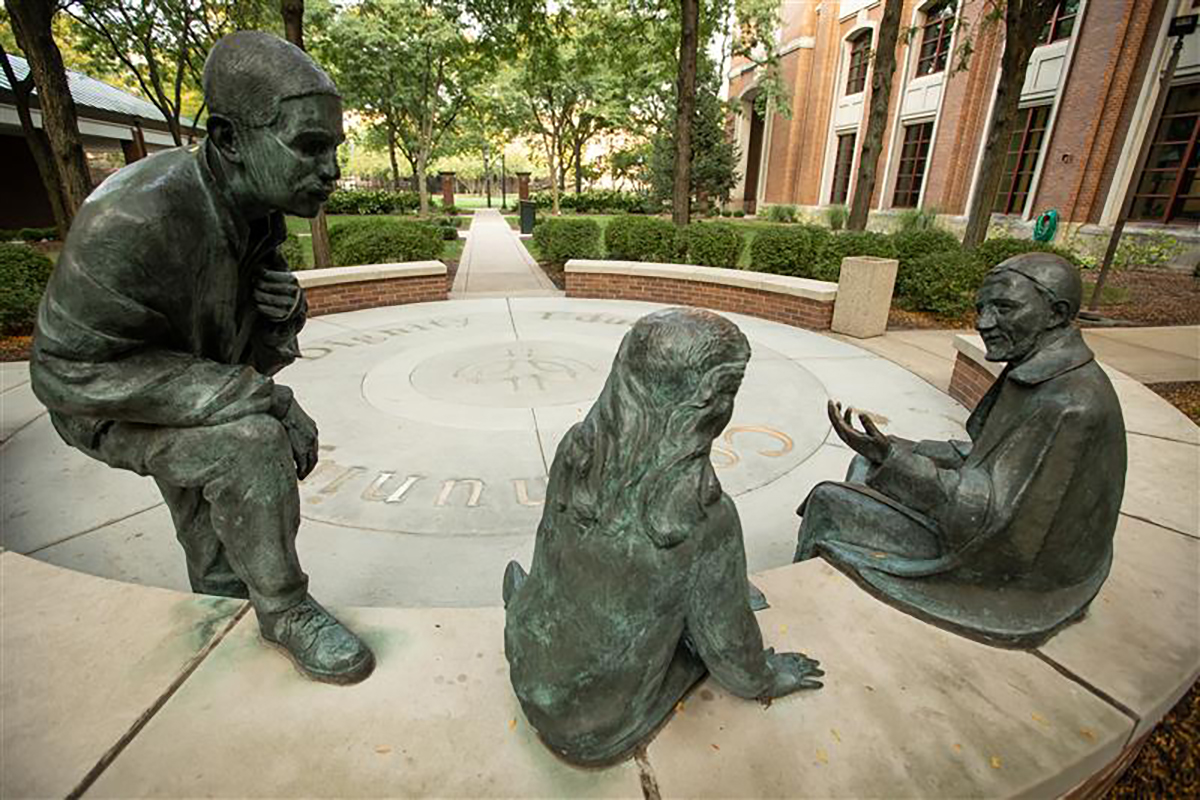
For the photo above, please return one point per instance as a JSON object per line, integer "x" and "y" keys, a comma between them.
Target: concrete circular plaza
{"x": 438, "y": 425}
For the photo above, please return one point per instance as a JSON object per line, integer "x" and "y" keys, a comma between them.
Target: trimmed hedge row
{"x": 595, "y": 201}
{"x": 384, "y": 241}
{"x": 28, "y": 234}
{"x": 23, "y": 276}
{"x": 374, "y": 201}
{"x": 560, "y": 240}
{"x": 634, "y": 238}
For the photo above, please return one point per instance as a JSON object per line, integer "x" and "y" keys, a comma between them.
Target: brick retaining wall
{"x": 331, "y": 291}
{"x": 780, "y": 303}
{"x": 335, "y": 298}
{"x": 970, "y": 380}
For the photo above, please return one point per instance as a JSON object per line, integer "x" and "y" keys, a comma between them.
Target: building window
{"x": 860, "y": 61}
{"x": 842, "y": 167}
{"x": 913, "y": 158}
{"x": 1168, "y": 188}
{"x": 1062, "y": 22}
{"x": 1021, "y": 160}
{"x": 935, "y": 39}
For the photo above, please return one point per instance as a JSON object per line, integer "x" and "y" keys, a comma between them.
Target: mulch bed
{"x": 1155, "y": 297}
{"x": 1185, "y": 396}
{"x": 1169, "y": 763}
{"x": 15, "y": 348}
{"x": 556, "y": 276}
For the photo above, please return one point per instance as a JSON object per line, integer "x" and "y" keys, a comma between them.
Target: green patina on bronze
{"x": 171, "y": 309}
{"x": 1005, "y": 538}
{"x": 638, "y": 583}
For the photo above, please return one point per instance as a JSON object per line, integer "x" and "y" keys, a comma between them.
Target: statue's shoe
{"x": 321, "y": 647}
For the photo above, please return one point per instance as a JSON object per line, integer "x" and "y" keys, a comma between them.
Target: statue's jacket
{"x": 1024, "y": 513}
{"x": 149, "y": 315}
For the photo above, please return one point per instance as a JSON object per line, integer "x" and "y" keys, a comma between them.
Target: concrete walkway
{"x": 1149, "y": 355}
{"x": 495, "y": 264}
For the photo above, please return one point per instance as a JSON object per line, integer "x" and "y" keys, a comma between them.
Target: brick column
{"x": 523, "y": 185}
{"x": 447, "y": 188}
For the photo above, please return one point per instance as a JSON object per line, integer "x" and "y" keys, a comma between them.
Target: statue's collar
{"x": 1064, "y": 354}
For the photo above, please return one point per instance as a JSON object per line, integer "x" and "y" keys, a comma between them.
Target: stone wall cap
{"x": 821, "y": 291}
{"x": 311, "y": 278}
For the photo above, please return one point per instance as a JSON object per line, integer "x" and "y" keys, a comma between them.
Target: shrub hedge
{"x": 712, "y": 244}
{"x": 293, "y": 252}
{"x": 802, "y": 251}
{"x": 384, "y": 241}
{"x": 1002, "y": 248}
{"x": 595, "y": 201}
{"x": 636, "y": 238}
{"x": 781, "y": 213}
{"x": 28, "y": 234}
{"x": 373, "y": 201}
{"x": 560, "y": 239}
{"x": 23, "y": 276}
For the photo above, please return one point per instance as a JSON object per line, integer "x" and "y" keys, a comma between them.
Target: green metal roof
{"x": 91, "y": 93}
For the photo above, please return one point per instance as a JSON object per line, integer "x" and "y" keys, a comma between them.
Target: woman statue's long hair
{"x": 640, "y": 461}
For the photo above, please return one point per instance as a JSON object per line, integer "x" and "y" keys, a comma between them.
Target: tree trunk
{"x": 1023, "y": 23}
{"x": 39, "y": 145}
{"x": 293, "y": 25}
{"x": 685, "y": 111}
{"x": 578, "y": 165}
{"x": 31, "y": 22}
{"x": 422, "y": 183}
{"x": 882, "y": 72}
{"x": 391, "y": 143}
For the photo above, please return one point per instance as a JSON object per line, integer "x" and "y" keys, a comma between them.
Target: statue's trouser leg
{"x": 209, "y": 570}
{"x": 850, "y": 514}
{"x": 244, "y": 473}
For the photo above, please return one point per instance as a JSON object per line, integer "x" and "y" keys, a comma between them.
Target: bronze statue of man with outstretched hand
{"x": 169, "y": 312}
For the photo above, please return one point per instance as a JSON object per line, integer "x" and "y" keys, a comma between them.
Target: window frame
{"x": 843, "y": 171}
{"x": 1191, "y": 153}
{"x": 860, "y": 61}
{"x": 936, "y": 17}
{"x": 1010, "y": 181}
{"x": 914, "y": 166}
{"x": 1059, "y": 18}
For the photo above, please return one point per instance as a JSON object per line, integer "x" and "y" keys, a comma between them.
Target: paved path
{"x": 496, "y": 264}
{"x": 1149, "y": 355}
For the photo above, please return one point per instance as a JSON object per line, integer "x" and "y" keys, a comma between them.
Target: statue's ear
{"x": 1060, "y": 313}
{"x": 222, "y": 133}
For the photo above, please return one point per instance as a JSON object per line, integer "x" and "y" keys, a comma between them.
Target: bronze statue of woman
{"x": 638, "y": 584}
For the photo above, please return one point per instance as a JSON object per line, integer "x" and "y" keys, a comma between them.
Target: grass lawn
{"x": 473, "y": 201}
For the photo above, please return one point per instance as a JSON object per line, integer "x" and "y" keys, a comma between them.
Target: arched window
{"x": 860, "y": 62}
{"x": 935, "y": 38}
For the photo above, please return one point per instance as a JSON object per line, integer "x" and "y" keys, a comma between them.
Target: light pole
{"x": 503, "y": 183}
{"x": 1180, "y": 28}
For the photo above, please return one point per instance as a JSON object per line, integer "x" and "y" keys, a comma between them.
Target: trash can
{"x": 528, "y": 215}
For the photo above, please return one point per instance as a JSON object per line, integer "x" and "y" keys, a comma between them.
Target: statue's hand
{"x": 277, "y": 295}
{"x": 792, "y": 672}
{"x": 871, "y": 443}
{"x": 302, "y": 433}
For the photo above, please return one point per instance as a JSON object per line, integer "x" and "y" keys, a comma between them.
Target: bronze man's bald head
{"x": 275, "y": 123}
{"x": 1024, "y": 302}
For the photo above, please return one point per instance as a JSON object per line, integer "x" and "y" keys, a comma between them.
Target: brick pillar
{"x": 523, "y": 185}
{"x": 447, "y": 188}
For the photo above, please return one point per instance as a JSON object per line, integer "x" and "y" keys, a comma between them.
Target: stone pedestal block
{"x": 864, "y": 295}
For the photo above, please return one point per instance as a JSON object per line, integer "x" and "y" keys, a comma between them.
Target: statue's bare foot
{"x": 793, "y": 672}
{"x": 321, "y": 647}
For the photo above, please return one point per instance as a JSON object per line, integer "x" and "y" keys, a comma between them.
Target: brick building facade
{"x": 1085, "y": 107}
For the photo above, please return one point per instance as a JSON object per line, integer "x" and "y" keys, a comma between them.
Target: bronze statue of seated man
{"x": 169, "y": 312}
{"x": 1008, "y": 537}
{"x": 638, "y": 584}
